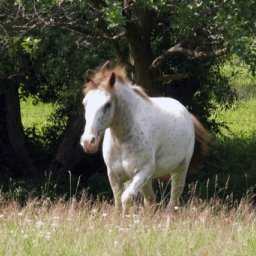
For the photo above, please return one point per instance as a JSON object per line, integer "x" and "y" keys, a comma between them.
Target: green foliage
{"x": 238, "y": 17}
{"x": 47, "y": 46}
{"x": 113, "y": 13}
{"x": 30, "y": 45}
{"x": 69, "y": 40}
{"x": 190, "y": 15}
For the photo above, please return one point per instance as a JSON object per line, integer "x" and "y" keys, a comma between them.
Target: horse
{"x": 144, "y": 138}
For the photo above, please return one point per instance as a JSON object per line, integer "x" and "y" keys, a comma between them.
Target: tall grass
{"x": 86, "y": 228}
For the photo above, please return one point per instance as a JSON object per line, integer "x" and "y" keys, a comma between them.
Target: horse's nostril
{"x": 92, "y": 140}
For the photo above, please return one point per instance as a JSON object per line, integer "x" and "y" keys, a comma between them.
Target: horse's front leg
{"x": 138, "y": 181}
{"x": 117, "y": 187}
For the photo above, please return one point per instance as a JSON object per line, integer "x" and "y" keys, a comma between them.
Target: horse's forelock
{"x": 102, "y": 74}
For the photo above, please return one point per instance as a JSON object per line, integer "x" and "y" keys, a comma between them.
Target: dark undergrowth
{"x": 229, "y": 172}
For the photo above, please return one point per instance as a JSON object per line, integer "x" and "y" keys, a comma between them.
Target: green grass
{"x": 241, "y": 117}
{"x": 82, "y": 228}
{"x": 35, "y": 115}
{"x": 241, "y": 79}
{"x": 233, "y": 158}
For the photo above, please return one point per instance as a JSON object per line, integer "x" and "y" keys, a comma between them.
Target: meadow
{"x": 86, "y": 228}
{"x": 216, "y": 226}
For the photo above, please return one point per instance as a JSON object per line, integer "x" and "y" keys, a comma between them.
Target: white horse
{"x": 145, "y": 138}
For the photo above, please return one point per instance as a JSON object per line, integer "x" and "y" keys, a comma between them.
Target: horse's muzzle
{"x": 90, "y": 145}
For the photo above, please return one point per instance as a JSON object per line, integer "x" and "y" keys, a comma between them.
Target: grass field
{"x": 234, "y": 158}
{"x": 240, "y": 118}
{"x": 212, "y": 227}
{"x": 73, "y": 228}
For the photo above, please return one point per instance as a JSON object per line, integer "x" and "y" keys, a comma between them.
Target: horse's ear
{"x": 112, "y": 80}
{"x": 88, "y": 75}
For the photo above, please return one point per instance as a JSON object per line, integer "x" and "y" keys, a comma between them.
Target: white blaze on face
{"x": 94, "y": 102}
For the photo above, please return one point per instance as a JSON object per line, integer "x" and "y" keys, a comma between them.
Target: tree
{"x": 38, "y": 60}
{"x": 13, "y": 69}
{"x": 169, "y": 47}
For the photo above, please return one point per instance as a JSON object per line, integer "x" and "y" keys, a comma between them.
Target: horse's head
{"x": 99, "y": 109}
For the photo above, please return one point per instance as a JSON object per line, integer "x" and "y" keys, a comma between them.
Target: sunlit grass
{"x": 233, "y": 156}
{"x": 240, "y": 118}
{"x": 241, "y": 79}
{"x": 83, "y": 228}
{"x": 35, "y": 115}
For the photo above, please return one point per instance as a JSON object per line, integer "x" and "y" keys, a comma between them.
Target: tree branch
{"x": 190, "y": 54}
{"x": 172, "y": 77}
{"x": 113, "y": 40}
{"x": 13, "y": 77}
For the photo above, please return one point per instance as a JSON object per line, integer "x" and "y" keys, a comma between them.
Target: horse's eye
{"x": 107, "y": 105}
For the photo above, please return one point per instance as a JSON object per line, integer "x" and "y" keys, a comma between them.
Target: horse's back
{"x": 169, "y": 104}
{"x": 174, "y": 114}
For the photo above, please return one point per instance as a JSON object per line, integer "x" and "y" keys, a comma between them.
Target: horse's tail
{"x": 202, "y": 146}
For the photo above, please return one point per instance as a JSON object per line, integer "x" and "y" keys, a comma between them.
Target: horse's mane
{"x": 99, "y": 77}
{"x": 139, "y": 90}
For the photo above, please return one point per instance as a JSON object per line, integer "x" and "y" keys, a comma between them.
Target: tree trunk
{"x": 14, "y": 151}
{"x": 70, "y": 155}
{"x": 138, "y": 34}
{"x": 5, "y": 149}
{"x": 69, "y": 152}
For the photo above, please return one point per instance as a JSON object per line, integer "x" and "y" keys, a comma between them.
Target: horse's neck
{"x": 128, "y": 107}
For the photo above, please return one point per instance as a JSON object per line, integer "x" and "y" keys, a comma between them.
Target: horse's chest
{"x": 123, "y": 159}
